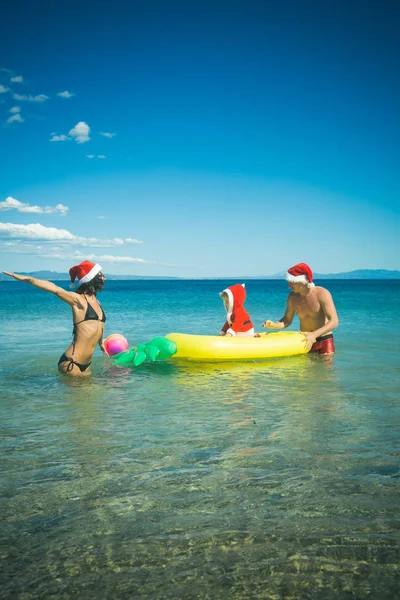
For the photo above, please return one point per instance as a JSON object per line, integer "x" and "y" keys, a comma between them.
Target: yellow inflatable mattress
{"x": 210, "y": 347}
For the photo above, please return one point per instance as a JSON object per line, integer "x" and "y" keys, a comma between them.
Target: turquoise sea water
{"x": 237, "y": 480}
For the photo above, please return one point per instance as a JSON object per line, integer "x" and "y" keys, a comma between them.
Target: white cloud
{"x": 80, "y": 132}
{"x": 98, "y": 243}
{"x": 94, "y": 156}
{"x": 57, "y": 252}
{"x": 56, "y": 243}
{"x": 65, "y": 94}
{"x": 28, "y": 248}
{"x": 124, "y": 259}
{"x": 79, "y": 256}
{"x": 15, "y": 118}
{"x": 107, "y": 135}
{"x": 15, "y": 109}
{"x": 3, "y": 89}
{"x": 17, "y": 79}
{"x": 89, "y": 155}
{"x": 101, "y": 217}
{"x": 101, "y": 156}
{"x": 36, "y": 231}
{"x": 59, "y": 138}
{"x": 38, "y": 98}
{"x": 22, "y": 207}
{"x": 133, "y": 241}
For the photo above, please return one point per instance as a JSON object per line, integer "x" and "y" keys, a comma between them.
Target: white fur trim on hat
{"x": 228, "y": 292}
{"x": 298, "y": 279}
{"x": 89, "y": 276}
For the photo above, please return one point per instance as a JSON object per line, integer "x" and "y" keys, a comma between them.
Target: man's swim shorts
{"x": 323, "y": 345}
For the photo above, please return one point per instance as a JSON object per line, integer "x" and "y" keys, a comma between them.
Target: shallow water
{"x": 277, "y": 479}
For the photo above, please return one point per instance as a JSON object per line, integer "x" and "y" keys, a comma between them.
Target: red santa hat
{"x": 236, "y": 295}
{"x": 84, "y": 272}
{"x": 300, "y": 273}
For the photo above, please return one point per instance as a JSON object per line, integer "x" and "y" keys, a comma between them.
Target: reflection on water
{"x": 233, "y": 480}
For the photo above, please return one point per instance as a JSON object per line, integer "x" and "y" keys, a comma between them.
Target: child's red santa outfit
{"x": 238, "y": 321}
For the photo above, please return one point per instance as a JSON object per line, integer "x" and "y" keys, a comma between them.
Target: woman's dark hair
{"x": 92, "y": 287}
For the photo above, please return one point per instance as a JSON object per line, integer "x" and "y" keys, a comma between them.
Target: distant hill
{"x": 361, "y": 274}
{"x": 358, "y": 274}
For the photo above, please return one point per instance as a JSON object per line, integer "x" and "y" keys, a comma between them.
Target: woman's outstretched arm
{"x": 71, "y": 298}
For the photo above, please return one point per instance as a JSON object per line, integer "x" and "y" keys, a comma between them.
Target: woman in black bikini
{"x": 87, "y": 315}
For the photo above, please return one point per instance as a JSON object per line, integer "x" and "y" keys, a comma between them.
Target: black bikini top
{"x": 91, "y": 315}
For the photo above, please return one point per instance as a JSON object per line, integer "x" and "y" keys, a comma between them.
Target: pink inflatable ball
{"x": 114, "y": 344}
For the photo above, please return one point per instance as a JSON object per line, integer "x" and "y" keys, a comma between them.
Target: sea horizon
{"x": 358, "y": 274}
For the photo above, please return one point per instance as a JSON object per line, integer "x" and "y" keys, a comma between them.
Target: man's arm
{"x": 332, "y": 320}
{"x": 71, "y": 298}
{"x": 286, "y": 319}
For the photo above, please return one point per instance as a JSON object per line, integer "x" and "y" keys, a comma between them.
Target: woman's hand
{"x": 16, "y": 276}
{"x": 71, "y": 298}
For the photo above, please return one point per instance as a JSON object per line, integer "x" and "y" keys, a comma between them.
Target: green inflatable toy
{"x": 159, "y": 348}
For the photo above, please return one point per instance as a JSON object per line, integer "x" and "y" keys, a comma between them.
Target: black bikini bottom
{"x": 72, "y": 362}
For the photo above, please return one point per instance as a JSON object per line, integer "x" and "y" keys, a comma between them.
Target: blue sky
{"x": 241, "y": 137}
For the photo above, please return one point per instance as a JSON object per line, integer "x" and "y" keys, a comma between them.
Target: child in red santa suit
{"x": 238, "y": 322}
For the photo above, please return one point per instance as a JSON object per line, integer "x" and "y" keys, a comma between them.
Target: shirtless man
{"x": 315, "y": 308}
